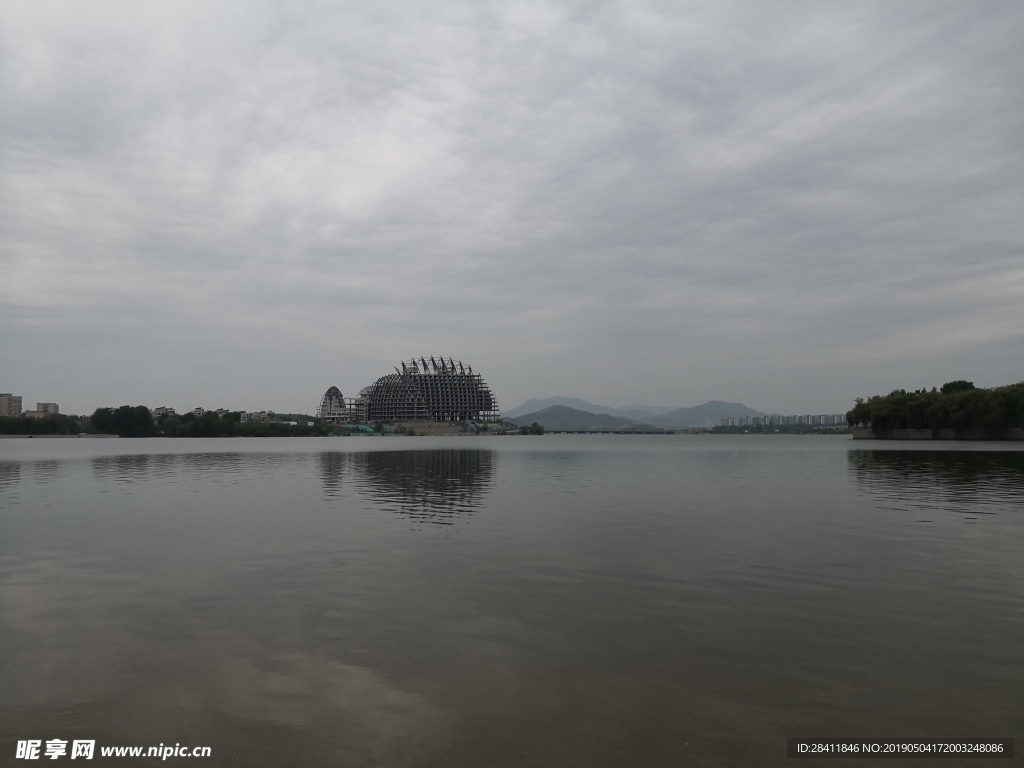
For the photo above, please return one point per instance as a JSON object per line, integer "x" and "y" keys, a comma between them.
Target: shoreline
{"x": 1014, "y": 434}
{"x": 53, "y": 437}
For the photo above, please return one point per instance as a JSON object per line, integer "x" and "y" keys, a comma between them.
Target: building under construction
{"x": 425, "y": 389}
{"x": 335, "y": 408}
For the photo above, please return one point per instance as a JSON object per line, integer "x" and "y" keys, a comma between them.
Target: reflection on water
{"x": 616, "y": 601}
{"x": 129, "y": 468}
{"x": 10, "y": 472}
{"x": 971, "y": 482}
{"x": 46, "y": 471}
{"x": 432, "y": 486}
{"x": 334, "y": 469}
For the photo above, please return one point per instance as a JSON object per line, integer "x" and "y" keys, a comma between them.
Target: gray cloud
{"x": 238, "y": 204}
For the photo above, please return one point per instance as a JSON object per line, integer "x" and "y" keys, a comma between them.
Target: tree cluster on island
{"x": 138, "y": 421}
{"x": 230, "y": 424}
{"x": 57, "y": 424}
{"x": 957, "y": 405}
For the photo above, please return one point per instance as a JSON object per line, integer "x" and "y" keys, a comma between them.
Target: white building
{"x": 50, "y": 409}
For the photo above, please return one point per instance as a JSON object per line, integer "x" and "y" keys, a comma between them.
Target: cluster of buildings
{"x": 823, "y": 420}
{"x": 424, "y": 389}
{"x": 221, "y": 413}
{"x": 164, "y": 410}
{"x": 10, "y": 407}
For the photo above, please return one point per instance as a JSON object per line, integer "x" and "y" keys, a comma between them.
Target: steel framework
{"x": 431, "y": 389}
{"x": 336, "y": 408}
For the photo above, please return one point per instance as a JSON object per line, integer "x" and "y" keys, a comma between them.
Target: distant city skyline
{"x": 786, "y": 206}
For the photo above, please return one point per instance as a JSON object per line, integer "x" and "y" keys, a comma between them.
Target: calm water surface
{"x": 543, "y": 601}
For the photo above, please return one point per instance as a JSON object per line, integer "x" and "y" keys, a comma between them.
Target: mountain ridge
{"x": 707, "y": 414}
{"x": 533, "y": 404}
{"x": 559, "y": 417}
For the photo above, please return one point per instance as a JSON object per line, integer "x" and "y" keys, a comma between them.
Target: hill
{"x": 641, "y": 411}
{"x": 633, "y": 411}
{"x": 533, "y": 405}
{"x": 709, "y": 414}
{"x": 558, "y": 417}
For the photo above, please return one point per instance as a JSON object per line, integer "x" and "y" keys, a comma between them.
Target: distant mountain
{"x": 532, "y": 405}
{"x": 708, "y": 415}
{"x": 639, "y": 408}
{"x": 635, "y": 413}
{"x": 557, "y": 417}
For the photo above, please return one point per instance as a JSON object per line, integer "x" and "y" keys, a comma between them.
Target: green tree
{"x": 959, "y": 406}
{"x": 101, "y": 420}
{"x": 49, "y": 425}
{"x": 956, "y": 386}
{"x": 126, "y": 421}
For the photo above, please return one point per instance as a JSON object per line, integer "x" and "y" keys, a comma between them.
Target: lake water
{"x": 508, "y": 601}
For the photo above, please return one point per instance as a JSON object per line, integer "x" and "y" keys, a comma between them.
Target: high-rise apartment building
{"x": 50, "y": 409}
{"x": 10, "y": 405}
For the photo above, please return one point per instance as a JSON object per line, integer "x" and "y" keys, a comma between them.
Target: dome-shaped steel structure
{"x": 431, "y": 389}
{"x": 334, "y": 407}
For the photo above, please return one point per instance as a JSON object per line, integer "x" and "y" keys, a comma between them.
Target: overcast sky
{"x": 239, "y": 204}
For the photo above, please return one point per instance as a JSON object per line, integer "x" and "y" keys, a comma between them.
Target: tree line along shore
{"x": 138, "y": 421}
{"x": 958, "y": 406}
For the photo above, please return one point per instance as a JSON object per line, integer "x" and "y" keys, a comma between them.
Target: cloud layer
{"x": 240, "y": 204}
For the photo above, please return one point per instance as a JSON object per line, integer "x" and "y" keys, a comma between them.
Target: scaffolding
{"x": 335, "y": 408}
{"x": 430, "y": 389}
